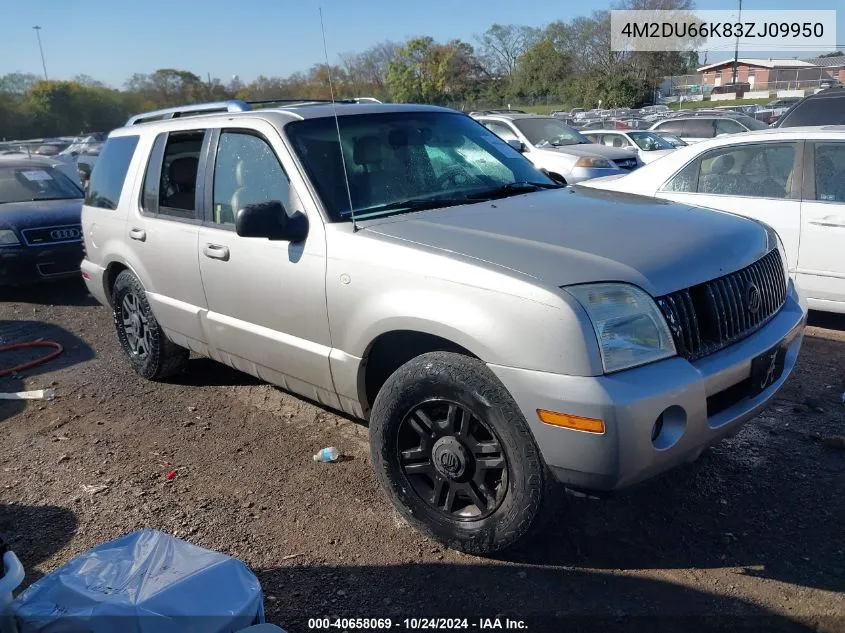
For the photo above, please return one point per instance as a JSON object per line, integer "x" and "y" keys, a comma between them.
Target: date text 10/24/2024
{"x": 422, "y": 624}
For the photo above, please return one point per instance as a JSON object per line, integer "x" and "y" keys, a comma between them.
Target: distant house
{"x": 759, "y": 72}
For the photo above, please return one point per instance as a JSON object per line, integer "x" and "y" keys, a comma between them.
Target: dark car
{"x": 40, "y": 228}
{"x": 823, "y": 108}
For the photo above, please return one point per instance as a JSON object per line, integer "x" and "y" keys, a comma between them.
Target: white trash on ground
{"x": 329, "y": 454}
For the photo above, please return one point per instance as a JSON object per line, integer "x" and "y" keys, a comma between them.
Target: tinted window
{"x": 246, "y": 170}
{"x": 544, "y": 132}
{"x": 36, "y": 182}
{"x": 761, "y": 171}
{"x": 110, "y": 172}
{"x": 699, "y": 128}
{"x": 675, "y": 127}
{"x": 816, "y": 111}
{"x": 830, "y": 172}
{"x": 401, "y": 161}
{"x": 750, "y": 123}
{"x": 178, "y": 178}
{"x": 685, "y": 180}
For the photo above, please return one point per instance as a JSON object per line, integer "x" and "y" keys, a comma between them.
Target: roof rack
{"x": 232, "y": 105}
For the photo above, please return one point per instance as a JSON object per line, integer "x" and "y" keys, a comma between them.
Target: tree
{"x": 503, "y": 44}
{"x": 17, "y": 83}
{"x": 833, "y": 54}
{"x": 541, "y": 70}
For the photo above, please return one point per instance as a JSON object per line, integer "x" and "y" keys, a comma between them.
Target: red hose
{"x": 30, "y": 363}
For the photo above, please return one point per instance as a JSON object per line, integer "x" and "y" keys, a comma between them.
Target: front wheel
{"x": 455, "y": 455}
{"x": 151, "y": 353}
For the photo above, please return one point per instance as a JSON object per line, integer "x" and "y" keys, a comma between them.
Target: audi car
{"x": 40, "y": 231}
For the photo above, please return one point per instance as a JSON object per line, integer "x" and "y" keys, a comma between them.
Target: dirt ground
{"x": 751, "y": 536}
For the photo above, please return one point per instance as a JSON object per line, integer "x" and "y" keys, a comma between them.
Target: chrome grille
{"x": 626, "y": 163}
{"x": 710, "y": 316}
{"x": 48, "y": 235}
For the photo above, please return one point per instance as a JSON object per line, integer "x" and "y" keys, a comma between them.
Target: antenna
{"x": 337, "y": 124}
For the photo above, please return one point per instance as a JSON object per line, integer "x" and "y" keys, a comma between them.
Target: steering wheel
{"x": 453, "y": 177}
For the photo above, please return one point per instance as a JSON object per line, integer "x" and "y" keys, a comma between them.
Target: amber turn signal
{"x": 590, "y": 425}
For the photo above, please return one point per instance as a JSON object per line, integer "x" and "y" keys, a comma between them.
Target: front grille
{"x": 626, "y": 163}
{"x": 48, "y": 235}
{"x": 708, "y": 317}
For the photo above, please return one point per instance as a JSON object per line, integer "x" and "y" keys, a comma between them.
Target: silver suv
{"x": 406, "y": 266}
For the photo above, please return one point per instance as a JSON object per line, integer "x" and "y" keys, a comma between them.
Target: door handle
{"x": 138, "y": 234}
{"x": 830, "y": 220}
{"x": 216, "y": 251}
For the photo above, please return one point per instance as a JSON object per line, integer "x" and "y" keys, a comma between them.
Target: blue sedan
{"x": 40, "y": 230}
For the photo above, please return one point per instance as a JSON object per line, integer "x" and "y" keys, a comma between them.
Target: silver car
{"x": 559, "y": 149}
{"x": 403, "y": 264}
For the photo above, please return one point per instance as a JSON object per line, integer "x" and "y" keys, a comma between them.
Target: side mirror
{"x": 270, "y": 220}
{"x": 518, "y": 145}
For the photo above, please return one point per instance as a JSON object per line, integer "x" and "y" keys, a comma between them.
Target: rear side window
{"x": 674, "y": 127}
{"x": 110, "y": 172}
{"x": 830, "y": 174}
{"x": 819, "y": 111}
{"x": 686, "y": 180}
{"x": 699, "y": 128}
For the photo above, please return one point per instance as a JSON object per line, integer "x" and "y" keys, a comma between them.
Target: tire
{"x": 156, "y": 356}
{"x": 517, "y": 502}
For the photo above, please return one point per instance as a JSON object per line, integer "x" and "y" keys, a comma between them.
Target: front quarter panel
{"x": 376, "y": 285}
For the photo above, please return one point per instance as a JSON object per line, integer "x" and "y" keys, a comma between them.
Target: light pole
{"x": 37, "y": 30}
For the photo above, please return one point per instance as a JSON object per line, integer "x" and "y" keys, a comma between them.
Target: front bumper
{"x": 30, "y": 264}
{"x": 631, "y": 401}
{"x": 586, "y": 173}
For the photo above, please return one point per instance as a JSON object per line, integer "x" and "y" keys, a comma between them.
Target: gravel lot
{"x": 750, "y": 536}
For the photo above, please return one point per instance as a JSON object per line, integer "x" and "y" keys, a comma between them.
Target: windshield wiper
{"x": 408, "y": 206}
{"x": 512, "y": 189}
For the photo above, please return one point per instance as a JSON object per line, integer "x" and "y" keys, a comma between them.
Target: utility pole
{"x": 736, "y": 49}
{"x": 40, "y": 48}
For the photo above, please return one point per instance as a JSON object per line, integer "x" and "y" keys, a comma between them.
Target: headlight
{"x": 586, "y": 161}
{"x": 630, "y": 329}
{"x": 8, "y": 238}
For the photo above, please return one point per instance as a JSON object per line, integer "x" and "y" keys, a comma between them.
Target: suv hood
{"x": 566, "y": 237}
{"x": 590, "y": 149}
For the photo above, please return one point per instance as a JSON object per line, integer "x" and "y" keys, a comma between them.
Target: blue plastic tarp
{"x": 144, "y": 582}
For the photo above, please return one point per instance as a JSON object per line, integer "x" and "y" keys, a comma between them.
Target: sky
{"x": 112, "y": 39}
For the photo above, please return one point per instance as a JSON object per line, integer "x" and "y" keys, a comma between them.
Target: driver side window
{"x": 501, "y": 130}
{"x": 246, "y": 170}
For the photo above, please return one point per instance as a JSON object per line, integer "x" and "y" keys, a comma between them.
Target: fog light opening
{"x": 668, "y": 427}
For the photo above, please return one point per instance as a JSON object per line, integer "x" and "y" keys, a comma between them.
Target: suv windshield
{"x": 816, "y": 111}
{"x": 25, "y": 184}
{"x": 649, "y": 141}
{"x": 543, "y": 132}
{"x": 408, "y": 161}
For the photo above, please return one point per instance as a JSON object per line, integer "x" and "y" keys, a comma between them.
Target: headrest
{"x": 723, "y": 164}
{"x": 367, "y": 150}
{"x": 241, "y": 173}
{"x": 183, "y": 171}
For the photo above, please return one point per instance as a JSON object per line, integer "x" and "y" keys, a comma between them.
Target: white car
{"x": 648, "y": 145}
{"x": 793, "y": 179}
{"x": 562, "y": 151}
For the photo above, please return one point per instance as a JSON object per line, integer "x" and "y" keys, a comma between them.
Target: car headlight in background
{"x": 8, "y": 238}
{"x": 629, "y": 326}
{"x": 587, "y": 161}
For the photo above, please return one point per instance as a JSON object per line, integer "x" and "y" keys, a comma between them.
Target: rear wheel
{"x": 150, "y": 352}
{"x": 455, "y": 455}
